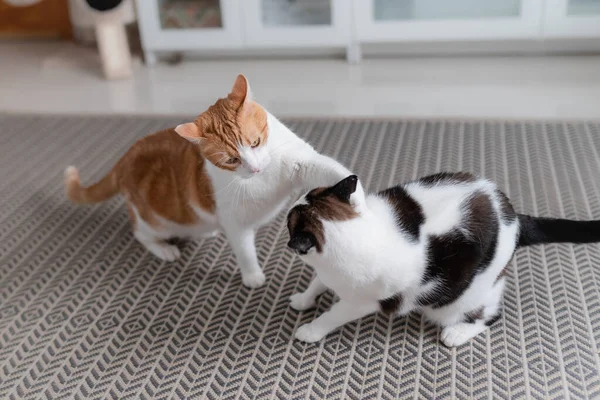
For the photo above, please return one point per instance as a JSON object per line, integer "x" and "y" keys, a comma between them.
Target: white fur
{"x": 269, "y": 177}
{"x": 254, "y": 159}
{"x": 367, "y": 259}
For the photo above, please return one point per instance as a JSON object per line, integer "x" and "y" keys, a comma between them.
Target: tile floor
{"x": 52, "y": 77}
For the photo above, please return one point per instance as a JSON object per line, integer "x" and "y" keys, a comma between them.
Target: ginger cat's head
{"x": 233, "y": 133}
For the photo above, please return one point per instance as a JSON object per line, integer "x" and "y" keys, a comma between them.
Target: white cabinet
{"x": 196, "y": 25}
{"x": 172, "y": 25}
{"x": 296, "y": 23}
{"x": 443, "y": 20}
{"x": 571, "y": 18}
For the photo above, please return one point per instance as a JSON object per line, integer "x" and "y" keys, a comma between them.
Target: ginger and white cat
{"x": 439, "y": 245}
{"x": 237, "y": 169}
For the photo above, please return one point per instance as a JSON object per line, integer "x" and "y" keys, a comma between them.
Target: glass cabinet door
{"x": 423, "y": 20}
{"x": 296, "y": 12}
{"x": 572, "y": 18}
{"x": 172, "y": 25}
{"x": 190, "y": 14}
{"x": 444, "y": 9}
{"x": 583, "y": 7}
{"x": 289, "y": 23}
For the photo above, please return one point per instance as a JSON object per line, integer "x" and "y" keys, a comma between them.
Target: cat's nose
{"x": 255, "y": 170}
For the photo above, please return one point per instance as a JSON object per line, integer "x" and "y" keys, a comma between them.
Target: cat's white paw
{"x": 458, "y": 334}
{"x": 166, "y": 252}
{"x": 254, "y": 279}
{"x": 309, "y": 333}
{"x": 301, "y": 301}
{"x": 208, "y": 235}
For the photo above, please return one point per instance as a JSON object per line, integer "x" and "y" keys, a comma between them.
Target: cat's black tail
{"x": 535, "y": 230}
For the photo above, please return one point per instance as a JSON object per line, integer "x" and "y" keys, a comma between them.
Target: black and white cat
{"x": 440, "y": 244}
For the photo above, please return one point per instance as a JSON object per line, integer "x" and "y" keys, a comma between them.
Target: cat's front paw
{"x": 209, "y": 234}
{"x": 309, "y": 333}
{"x": 455, "y": 335}
{"x": 301, "y": 302}
{"x": 164, "y": 251}
{"x": 254, "y": 279}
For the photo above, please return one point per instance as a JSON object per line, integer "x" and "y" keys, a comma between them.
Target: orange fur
{"x": 230, "y": 121}
{"x": 161, "y": 175}
{"x": 164, "y": 175}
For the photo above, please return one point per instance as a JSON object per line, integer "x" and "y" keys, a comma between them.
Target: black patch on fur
{"x": 473, "y": 316}
{"x": 344, "y": 188}
{"x": 492, "y": 320}
{"x": 325, "y": 203}
{"x": 301, "y": 223}
{"x": 507, "y": 212}
{"x": 409, "y": 214}
{"x": 302, "y": 242}
{"x": 447, "y": 177}
{"x": 177, "y": 241}
{"x": 453, "y": 261}
{"x": 341, "y": 190}
{"x": 502, "y": 273}
{"x": 391, "y": 305}
{"x": 457, "y": 257}
{"x": 537, "y": 230}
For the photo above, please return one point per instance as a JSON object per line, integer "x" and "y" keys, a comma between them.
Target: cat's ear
{"x": 189, "y": 131}
{"x": 240, "y": 92}
{"x": 344, "y": 188}
{"x": 302, "y": 242}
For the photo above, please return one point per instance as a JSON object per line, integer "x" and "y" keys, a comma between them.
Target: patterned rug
{"x": 87, "y": 313}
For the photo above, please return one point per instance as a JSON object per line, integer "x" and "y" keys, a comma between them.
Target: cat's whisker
{"x": 238, "y": 195}
{"x": 252, "y": 198}
{"x": 225, "y": 188}
{"x": 222, "y": 159}
{"x": 243, "y": 190}
{"x": 222, "y": 190}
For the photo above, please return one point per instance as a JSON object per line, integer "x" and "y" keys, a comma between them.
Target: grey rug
{"x": 87, "y": 313}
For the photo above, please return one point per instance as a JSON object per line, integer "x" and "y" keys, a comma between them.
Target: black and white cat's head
{"x": 340, "y": 202}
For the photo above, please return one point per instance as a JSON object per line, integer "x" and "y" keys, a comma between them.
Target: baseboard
{"x": 375, "y": 50}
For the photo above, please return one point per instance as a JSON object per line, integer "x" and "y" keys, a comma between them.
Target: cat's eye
{"x": 232, "y": 161}
{"x": 256, "y": 143}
